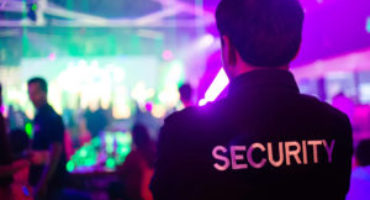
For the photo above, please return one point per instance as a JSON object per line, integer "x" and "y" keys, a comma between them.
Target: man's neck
{"x": 42, "y": 105}
{"x": 249, "y": 68}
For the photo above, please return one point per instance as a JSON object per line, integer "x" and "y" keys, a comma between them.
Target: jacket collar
{"x": 264, "y": 78}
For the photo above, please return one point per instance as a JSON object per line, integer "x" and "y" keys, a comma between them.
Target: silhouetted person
{"x": 47, "y": 173}
{"x": 16, "y": 118}
{"x": 7, "y": 167}
{"x": 137, "y": 170}
{"x": 186, "y": 95}
{"x": 265, "y": 140}
{"x": 344, "y": 104}
{"x": 96, "y": 121}
{"x": 360, "y": 179}
{"x": 19, "y": 143}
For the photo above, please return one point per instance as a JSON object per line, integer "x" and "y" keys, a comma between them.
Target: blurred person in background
{"x": 17, "y": 119}
{"x": 84, "y": 135}
{"x": 19, "y": 143}
{"x": 96, "y": 121}
{"x": 137, "y": 170}
{"x": 360, "y": 179}
{"x": 186, "y": 95}
{"x": 47, "y": 173}
{"x": 344, "y": 104}
{"x": 7, "y": 167}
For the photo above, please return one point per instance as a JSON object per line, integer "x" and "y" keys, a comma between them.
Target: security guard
{"x": 265, "y": 140}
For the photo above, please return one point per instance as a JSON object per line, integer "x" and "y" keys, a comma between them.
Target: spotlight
{"x": 215, "y": 89}
{"x": 206, "y": 41}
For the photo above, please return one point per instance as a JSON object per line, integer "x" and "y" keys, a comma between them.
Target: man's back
{"x": 264, "y": 141}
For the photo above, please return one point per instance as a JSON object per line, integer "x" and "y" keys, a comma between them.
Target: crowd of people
{"x": 265, "y": 140}
{"x": 36, "y": 169}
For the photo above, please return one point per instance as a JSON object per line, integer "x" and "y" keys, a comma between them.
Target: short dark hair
{"x": 363, "y": 153}
{"x": 41, "y": 81}
{"x": 186, "y": 92}
{"x": 266, "y": 33}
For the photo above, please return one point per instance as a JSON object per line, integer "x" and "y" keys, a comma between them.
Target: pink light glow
{"x": 167, "y": 55}
{"x": 206, "y": 41}
{"x": 149, "y": 106}
{"x": 215, "y": 89}
{"x": 52, "y": 56}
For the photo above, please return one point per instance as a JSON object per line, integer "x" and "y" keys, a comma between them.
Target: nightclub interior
{"x": 115, "y": 70}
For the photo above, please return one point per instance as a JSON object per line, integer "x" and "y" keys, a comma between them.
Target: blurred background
{"x": 112, "y": 63}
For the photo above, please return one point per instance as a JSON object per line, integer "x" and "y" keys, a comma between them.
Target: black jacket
{"x": 264, "y": 141}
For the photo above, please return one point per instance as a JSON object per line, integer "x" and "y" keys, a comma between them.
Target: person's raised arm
{"x": 10, "y": 169}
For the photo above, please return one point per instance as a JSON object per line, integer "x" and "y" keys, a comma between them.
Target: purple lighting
{"x": 216, "y": 87}
{"x": 149, "y": 106}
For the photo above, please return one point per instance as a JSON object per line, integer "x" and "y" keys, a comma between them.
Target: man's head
{"x": 363, "y": 153}
{"x": 186, "y": 94}
{"x": 259, "y": 33}
{"x": 37, "y": 91}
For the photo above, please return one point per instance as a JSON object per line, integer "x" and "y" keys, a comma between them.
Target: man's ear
{"x": 230, "y": 51}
